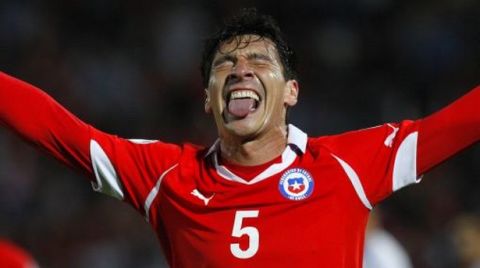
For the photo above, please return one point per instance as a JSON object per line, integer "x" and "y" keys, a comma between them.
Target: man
{"x": 265, "y": 193}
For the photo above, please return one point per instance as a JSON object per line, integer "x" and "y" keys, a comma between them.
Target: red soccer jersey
{"x": 307, "y": 210}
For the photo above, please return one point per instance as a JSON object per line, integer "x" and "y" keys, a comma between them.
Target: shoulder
{"x": 193, "y": 151}
{"x": 355, "y": 138}
{"x": 158, "y": 155}
{"x": 327, "y": 141}
{"x": 157, "y": 146}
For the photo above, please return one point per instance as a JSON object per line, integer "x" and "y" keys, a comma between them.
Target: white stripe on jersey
{"x": 142, "y": 141}
{"x": 153, "y": 193}
{"x": 355, "y": 180}
{"x": 107, "y": 179}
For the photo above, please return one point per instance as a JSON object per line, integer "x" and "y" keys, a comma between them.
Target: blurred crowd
{"x": 132, "y": 68}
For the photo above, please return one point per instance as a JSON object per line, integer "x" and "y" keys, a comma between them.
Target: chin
{"x": 243, "y": 128}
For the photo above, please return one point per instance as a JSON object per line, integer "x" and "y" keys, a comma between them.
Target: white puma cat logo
{"x": 196, "y": 193}
{"x": 389, "y": 140}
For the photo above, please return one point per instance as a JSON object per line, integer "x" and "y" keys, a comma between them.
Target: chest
{"x": 293, "y": 217}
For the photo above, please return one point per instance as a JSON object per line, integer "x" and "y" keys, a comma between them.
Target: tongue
{"x": 241, "y": 107}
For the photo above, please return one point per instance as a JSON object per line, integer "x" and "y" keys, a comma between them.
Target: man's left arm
{"x": 448, "y": 131}
{"x": 386, "y": 158}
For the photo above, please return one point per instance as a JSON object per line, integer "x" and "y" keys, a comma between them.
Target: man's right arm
{"x": 122, "y": 168}
{"x": 40, "y": 120}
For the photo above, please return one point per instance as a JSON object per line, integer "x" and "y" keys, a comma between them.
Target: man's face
{"x": 247, "y": 92}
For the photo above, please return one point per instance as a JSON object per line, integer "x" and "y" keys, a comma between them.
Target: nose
{"x": 240, "y": 72}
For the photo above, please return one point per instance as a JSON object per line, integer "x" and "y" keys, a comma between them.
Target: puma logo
{"x": 196, "y": 193}
{"x": 389, "y": 140}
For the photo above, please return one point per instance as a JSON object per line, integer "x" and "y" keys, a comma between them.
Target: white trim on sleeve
{"x": 107, "y": 181}
{"x": 405, "y": 165}
{"x": 355, "y": 180}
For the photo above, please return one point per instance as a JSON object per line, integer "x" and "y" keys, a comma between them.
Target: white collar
{"x": 297, "y": 141}
{"x": 296, "y": 137}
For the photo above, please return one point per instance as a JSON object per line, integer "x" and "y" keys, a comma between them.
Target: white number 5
{"x": 250, "y": 231}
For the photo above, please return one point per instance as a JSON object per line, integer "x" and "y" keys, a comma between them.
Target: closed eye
{"x": 224, "y": 59}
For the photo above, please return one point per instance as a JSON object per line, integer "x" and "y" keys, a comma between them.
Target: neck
{"x": 257, "y": 151}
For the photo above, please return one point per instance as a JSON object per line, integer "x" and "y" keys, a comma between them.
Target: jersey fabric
{"x": 308, "y": 209}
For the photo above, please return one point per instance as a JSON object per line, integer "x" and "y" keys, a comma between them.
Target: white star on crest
{"x": 296, "y": 186}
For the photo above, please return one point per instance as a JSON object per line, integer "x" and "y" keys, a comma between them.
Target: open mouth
{"x": 240, "y": 103}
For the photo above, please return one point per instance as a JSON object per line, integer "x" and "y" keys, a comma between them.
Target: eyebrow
{"x": 250, "y": 56}
{"x": 224, "y": 58}
{"x": 258, "y": 56}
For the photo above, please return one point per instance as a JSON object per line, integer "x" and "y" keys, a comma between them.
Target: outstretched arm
{"x": 40, "y": 120}
{"x": 448, "y": 131}
{"x": 389, "y": 157}
{"x": 125, "y": 169}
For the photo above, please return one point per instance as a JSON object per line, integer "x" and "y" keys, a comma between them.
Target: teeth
{"x": 241, "y": 94}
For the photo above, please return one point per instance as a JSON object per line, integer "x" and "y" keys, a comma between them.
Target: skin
{"x": 255, "y": 65}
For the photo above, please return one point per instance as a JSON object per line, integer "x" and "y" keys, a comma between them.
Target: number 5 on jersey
{"x": 251, "y": 232}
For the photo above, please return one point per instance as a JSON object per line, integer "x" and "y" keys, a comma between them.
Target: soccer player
{"x": 265, "y": 193}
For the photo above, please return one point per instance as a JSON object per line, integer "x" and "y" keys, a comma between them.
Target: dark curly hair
{"x": 248, "y": 21}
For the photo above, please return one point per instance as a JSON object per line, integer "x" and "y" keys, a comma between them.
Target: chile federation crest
{"x": 296, "y": 184}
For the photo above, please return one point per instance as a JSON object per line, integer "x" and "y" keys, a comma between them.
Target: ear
{"x": 208, "y": 106}
{"x": 291, "y": 93}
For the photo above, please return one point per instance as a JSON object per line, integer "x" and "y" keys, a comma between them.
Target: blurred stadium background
{"x": 132, "y": 68}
